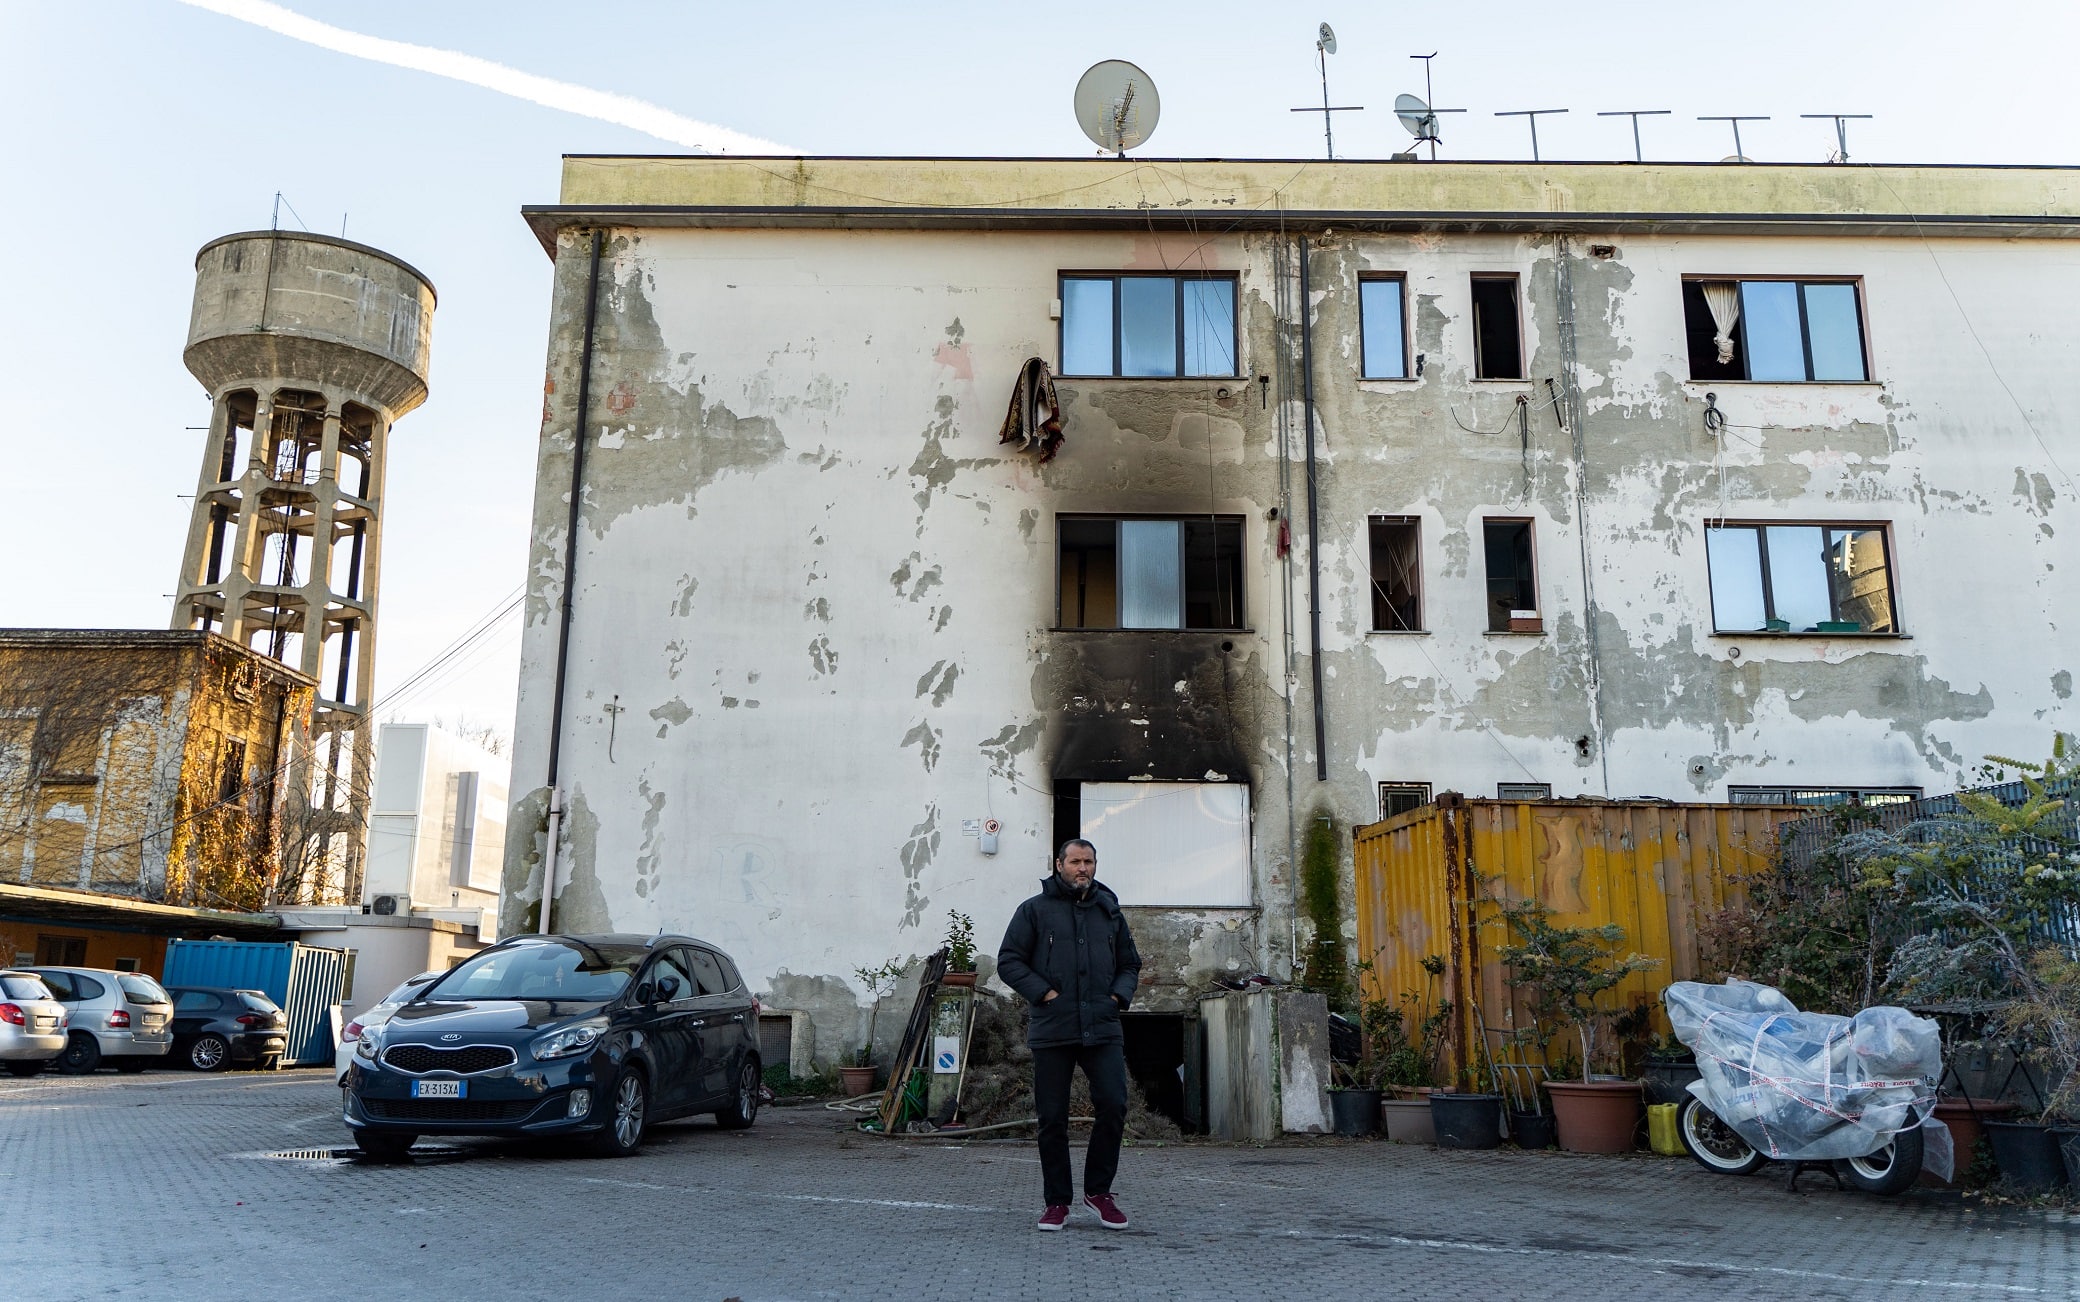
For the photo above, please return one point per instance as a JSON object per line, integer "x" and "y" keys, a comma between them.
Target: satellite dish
{"x": 1326, "y": 42}
{"x": 1416, "y": 116}
{"x": 1117, "y": 105}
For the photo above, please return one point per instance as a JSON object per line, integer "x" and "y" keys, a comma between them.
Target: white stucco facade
{"x": 814, "y": 627}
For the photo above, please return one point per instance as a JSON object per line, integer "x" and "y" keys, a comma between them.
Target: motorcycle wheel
{"x": 1713, "y": 1143}
{"x": 1890, "y": 1170}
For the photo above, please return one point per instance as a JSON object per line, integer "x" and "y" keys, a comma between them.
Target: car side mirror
{"x": 667, "y": 989}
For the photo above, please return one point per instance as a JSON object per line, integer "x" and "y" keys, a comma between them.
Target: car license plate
{"x": 440, "y": 1089}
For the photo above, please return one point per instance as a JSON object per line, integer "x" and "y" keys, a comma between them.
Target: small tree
{"x": 1567, "y": 969}
{"x": 880, "y": 983}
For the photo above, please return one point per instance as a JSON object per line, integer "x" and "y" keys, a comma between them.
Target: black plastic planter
{"x": 1667, "y": 1080}
{"x": 2027, "y": 1156}
{"x": 1355, "y": 1112}
{"x": 2068, "y": 1140}
{"x": 1533, "y": 1130}
{"x": 1467, "y": 1120}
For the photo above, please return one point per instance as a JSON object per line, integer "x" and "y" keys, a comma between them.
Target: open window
{"x": 1786, "y": 331}
{"x": 1148, "y": 326}
{"x": 1512, "y": 587}
{"x": 1126, "y": 572}
{"x": 1498, "y": 330}
{"x": 1800, "y": 578}
{"x": 1825, "y": 797}
{"x": 1382, "y": 328}
{"x": 1397, "y": 574}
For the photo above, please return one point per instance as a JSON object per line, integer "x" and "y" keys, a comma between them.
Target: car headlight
{"x": 568, "y": 1041}
{"x": 366, "y": 1046}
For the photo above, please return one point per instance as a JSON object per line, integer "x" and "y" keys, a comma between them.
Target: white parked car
{"x": 370, "y": 1018}
{"x": 32, "y": 1024}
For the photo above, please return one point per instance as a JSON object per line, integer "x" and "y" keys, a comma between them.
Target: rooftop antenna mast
{"x": 1324, "y": 46}
{"x": 1416, "y": 114}
{"x": 1736, "y": 119}
{"x": 1531, "y": 116}
{"x": 1635, "y": 115}
{"x": 1841, "y": 133}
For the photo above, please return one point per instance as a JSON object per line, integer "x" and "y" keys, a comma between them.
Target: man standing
{"x": 1069, "y": 954}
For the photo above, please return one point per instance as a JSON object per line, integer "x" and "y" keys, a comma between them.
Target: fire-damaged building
{"x": 1323, "y": 488}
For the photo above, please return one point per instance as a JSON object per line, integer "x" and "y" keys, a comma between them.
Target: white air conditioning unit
{"x": 388, "y": 905}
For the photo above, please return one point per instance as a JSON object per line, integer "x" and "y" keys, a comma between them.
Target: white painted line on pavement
{"x": 1680, "y": 1263}
{"x": 903, "y": 1204}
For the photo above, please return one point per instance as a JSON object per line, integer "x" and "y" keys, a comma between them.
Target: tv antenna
{"x": 1841, "y": 133}
{"x": 1427, "y": 115}
{"x": 1531, "y": 116}
{"x": 1117, "y": 106}
{"x": 1324, "y": 46}
{"x": 1635, "y": 115}
{"x": 1736, "y": 119}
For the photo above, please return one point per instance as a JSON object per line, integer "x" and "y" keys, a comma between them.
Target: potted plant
{"x": 1353, "y": 1105}
{"x": 880, "y": 982}
{"x": 1567, "y": 971}
{"x": 1466, "y": 1117}
{"x": 2045, "y": 1015}
{"x": 960, "y": 949}
{"x": 1669, "y": 1069}
{"x": 1405, "y": 1039}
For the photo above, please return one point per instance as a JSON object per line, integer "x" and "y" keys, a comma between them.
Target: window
{"x": 1523, "y": 791}
{"x": 1382, "y": 332}
{"x": 708, "y": 970}
{"x": 1142, "y": 573}
{"x": 1779, "y": 330}
{"x": 1397, "y": 798}
{"x": 671, "y": 967}
{"x": 1799, "y": 578}
{"x": 1823, "y": 796}
{"x": 196, "y": 1001}
{"x": 1148, "y": 325}
{"x": 61, "y": 951}
{"x": 61, "y": 986}
{"x": 1175, "y": 844}
{"x": 233, "y": 780}
{"x": 1512, "y": 591}
{"x": 1498, "y": 337}
{"x": 1397, "y": 574}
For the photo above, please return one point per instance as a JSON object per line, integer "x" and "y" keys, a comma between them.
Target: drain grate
{"x": 426, "y": 1153}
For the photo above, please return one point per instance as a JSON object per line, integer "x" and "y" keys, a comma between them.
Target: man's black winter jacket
{"x": 1080, "y": 948}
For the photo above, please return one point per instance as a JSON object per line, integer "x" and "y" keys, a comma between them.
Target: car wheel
{"x": 1889, "y": 1170}
{"x": 743, "y": 1105}
{"x": 25, "y": 1068}
{"x": 132, "y": 1065}
{"x": 209, "y": 1053}
{"x": 628, "y": 1115}
{"x": 385, "y": 1145}
{"x": 1713, "y": 1143}
{"x": 82, "y": 1054}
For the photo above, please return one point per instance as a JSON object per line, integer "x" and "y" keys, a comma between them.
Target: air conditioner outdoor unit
{"x": 386, "y": 905}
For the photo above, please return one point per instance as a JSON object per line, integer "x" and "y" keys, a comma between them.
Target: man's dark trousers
{"x": 1105, "y": 1067}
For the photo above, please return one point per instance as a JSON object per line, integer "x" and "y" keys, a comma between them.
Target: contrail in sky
{"x": 581, "y": 100}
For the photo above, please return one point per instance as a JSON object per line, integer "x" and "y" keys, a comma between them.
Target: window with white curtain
{"x": 1171, "y": 844}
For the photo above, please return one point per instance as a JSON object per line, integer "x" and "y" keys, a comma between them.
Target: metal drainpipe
{"x": 1314, "y": 536}
{"x": 570, "y": 562}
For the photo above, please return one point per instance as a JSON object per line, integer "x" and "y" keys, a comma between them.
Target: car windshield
{"x": 22, "y": 987}
{"x": 564, "y": 969}
{"x": 142, "y": 989}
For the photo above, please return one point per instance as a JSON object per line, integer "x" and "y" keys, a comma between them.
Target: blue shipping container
{"x": 304, "y": 979}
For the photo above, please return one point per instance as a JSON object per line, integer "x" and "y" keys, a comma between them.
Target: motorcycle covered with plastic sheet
{"x": 1780, "y": 1085}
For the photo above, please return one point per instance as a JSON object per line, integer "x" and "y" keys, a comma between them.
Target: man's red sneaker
{"x": 1109, "y": 1214}
{"x": 1054, "y": 1217}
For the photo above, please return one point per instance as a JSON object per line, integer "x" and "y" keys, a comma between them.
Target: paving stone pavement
{"x": 155, "y": 1186}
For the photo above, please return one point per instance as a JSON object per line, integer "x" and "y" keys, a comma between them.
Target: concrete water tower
{"x": 311, "y": 349}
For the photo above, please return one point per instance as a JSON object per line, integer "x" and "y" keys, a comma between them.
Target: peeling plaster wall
{"x": 814, "y": 596}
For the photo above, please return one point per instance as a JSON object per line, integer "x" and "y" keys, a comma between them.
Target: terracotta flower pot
{"x": 858, "y": 1080}
{"x": 957, "y": 979}
{"x": 1967, "y": 1128}
{"x": 1596, "y": 1116}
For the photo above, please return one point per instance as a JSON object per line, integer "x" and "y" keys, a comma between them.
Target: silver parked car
{"x": 32, "y": 1023}
{"x": 122, "y": 1017}
{"x": 371, "y": 1018}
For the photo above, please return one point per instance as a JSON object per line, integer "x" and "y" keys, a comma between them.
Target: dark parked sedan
{"x": 214, "y": 1028}
{"x": 595, "y": 1037}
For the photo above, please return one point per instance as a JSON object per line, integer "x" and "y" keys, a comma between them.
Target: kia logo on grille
{"x": 451, "y": 1036}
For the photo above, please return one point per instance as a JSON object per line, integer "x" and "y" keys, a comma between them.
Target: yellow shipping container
{"x": 1431, "y": 881}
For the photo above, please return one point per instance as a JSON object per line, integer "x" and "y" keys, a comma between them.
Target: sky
{"x": 135, "y": 131}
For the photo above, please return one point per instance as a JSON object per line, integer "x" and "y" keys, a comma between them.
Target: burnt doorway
{"x": 1155, "y": 1052}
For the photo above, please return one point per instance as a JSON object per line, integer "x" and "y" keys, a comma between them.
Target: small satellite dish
{"x": 1117, "y": 105}
{"x": 1416, "y": 116}
{"x": 1326, "y": 42}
